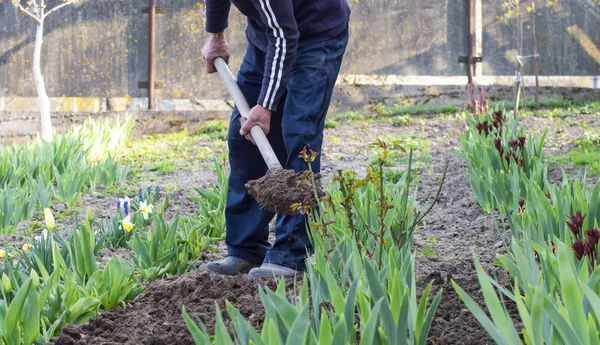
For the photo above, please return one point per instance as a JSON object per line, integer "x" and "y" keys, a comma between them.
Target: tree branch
{"x": 26, "y": 11}
{"x": 59, "y": 7}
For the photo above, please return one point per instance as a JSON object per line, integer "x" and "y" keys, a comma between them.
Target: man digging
{"x": 294, "y": 53}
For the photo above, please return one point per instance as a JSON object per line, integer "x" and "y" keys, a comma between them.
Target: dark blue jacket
{"x": 278, "y": 27}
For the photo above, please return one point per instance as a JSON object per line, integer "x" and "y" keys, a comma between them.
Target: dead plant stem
{"x": 382, "y": 212}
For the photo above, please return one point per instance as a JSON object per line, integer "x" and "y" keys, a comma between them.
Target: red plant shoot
{"x": 585, "y": 243}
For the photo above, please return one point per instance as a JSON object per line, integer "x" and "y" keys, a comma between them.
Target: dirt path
{"x": 459, "y": 230}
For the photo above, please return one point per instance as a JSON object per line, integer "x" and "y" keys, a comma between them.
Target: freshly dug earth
{"x": 155, "y": 316}
{"x": 280, "y": 189}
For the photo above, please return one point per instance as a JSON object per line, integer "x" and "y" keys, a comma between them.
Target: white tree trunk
{"x": 43, "y": 99}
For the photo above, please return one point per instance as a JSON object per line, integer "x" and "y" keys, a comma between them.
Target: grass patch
{"x": 165, "y": 153}
{"x": 120, "y": 191}
{"x": 335, "y": 140}
{"x": 334, "y": 120}
{"x": 399, "y": 110}
{"x": 557, "y": 107}
{"x": 398, "y": 115}
{"x": 402, "y": 120}
{"x": 216, "y": 130}
{"x": 164, "y": 167}
{"x": 585, "y": 154}
{"x": 421, "y": 151}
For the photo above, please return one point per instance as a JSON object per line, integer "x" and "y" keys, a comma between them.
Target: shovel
{"x": 280, "y": 188}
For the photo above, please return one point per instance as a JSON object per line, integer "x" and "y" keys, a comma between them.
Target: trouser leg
{"x": 247, "y": 224}
{"x": 309, "y": 91}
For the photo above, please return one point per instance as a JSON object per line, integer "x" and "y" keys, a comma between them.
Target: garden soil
{"x": 155, "y": 317}
{"x": 454, "y": 232}
{"x": 11, "y": 239}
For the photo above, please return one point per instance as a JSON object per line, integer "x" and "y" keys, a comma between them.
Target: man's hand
{"x": 215, "y": 47}
{"x": 258, "y": 116}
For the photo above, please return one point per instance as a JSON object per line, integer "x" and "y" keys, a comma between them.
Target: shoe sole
{"x": 273, "y": 275}
{"x": 217, "y": 270}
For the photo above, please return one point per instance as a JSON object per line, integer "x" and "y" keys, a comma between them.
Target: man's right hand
{"x": 215, "y": 47}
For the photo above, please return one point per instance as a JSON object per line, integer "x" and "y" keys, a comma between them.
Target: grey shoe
{"x": 230, "y": 266}
{"x": 267, "y": 270}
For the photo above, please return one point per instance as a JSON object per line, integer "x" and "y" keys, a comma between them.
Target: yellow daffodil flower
{"x": 27, "y": 247}
{"x": 50, "y": 223}
{"x": 145, "y": 208}
{"x": 127, "y": 224}
{"x": 2, "y": 253}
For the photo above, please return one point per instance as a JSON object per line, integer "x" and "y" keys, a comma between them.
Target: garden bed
{"x": 457, "y": 224}
{"x": 453, "y": 232}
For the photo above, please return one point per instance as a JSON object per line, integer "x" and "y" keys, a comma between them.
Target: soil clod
{"x": 280, "y": 189}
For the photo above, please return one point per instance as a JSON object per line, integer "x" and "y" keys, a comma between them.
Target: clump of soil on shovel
{"x": 281, "y": 188}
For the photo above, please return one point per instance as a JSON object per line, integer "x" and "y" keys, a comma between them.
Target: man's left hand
{"x": 258, "y": 115}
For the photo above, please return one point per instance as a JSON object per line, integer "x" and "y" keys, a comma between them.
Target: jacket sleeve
{"x": 217, "y": 15}
{"x": 282, "y": 37}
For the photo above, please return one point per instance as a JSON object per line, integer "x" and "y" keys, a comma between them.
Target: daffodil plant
{"x": 14, "y": 206}
{"x": 82, "y": 250}
{"x": 211, "y": 203}
{"x": 158, "y": 253}
{"x": 115, "y": 284}
{"x": 192, "y": 232}
{"x": 20, "y": 321}
{"x": 32, "y": 176}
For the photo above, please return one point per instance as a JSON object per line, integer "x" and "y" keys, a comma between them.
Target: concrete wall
{"x": 99, "y": 48}
{"x": 568, "y": 38}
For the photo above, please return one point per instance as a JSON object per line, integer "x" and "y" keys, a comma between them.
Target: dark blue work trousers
{"x": 298, "y": 122}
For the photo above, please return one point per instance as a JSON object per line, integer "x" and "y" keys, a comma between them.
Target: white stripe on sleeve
{"x": 278, "y": 33}
{"x": 282, "y": 55}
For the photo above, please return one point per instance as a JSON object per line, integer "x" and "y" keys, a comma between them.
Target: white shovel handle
{"x": 240, "y": 101}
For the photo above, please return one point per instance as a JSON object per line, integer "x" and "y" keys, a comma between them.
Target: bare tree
{"x": 37, "y": 9}
{"x": 514, "y": 20}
